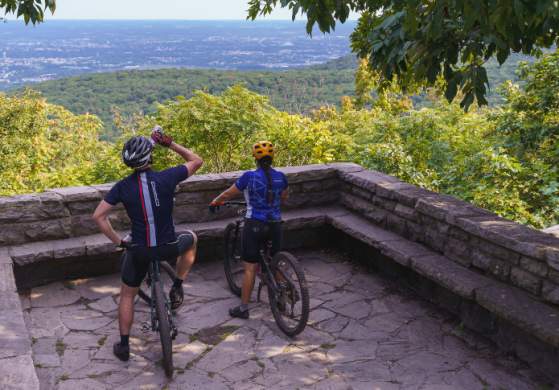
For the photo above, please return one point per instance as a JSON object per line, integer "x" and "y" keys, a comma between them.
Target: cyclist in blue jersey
{"x": 264, "y": 189}
{"x": 148, "y": 198}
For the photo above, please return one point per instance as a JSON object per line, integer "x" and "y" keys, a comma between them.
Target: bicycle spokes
{"x": 233, "y": 263}
{"x": 288, "y": 294}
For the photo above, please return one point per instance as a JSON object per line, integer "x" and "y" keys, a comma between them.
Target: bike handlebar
{"x": 235, "y": 203}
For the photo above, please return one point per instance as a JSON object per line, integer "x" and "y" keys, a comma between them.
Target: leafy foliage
{"x": 44, "y": 145}
{"x": 32, "y": 10}
{"x": 222, "y": 128}
{"x": 504, "y": 158}
{"x": 418, "y": 41}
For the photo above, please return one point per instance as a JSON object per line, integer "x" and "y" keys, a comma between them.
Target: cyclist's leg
{"x": 126, "y": 308}
{"x": 187, "y": 246}
{"x": 249, "y": 277}
{"x": 252, "y": 238}
{"x": 134, "y": 269}
{"x": 251, "y": 259}
{"x": 185, "y": 251}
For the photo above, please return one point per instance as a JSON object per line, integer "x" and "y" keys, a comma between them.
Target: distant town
{"x": 59, "y": 49}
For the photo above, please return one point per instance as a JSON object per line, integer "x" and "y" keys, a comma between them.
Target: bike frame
{"x": 265, "y": 260}
{"x": 154, "y": 277}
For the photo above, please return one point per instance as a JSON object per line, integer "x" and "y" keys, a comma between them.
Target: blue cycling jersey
{"x": 254, "y": 185}
{"x": 147, "y": 197}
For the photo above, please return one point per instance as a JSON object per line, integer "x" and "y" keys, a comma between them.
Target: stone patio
{"x": 364, "y": 333}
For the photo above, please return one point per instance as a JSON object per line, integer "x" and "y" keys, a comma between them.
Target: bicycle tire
{"x": 164, "y": 329}
{"x": 169, "y": 270}
{"x": 232, "y": 255}
{"x": 290, "y": 331}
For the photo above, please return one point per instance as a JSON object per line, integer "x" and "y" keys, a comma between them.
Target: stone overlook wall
{"x": 470, "y": 236}
{"x": 505, "y": 272}
{"x": 66, "y": 212}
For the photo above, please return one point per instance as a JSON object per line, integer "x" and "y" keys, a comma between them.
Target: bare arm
{"x": 193, "y": 161}
{"x": 101, "y": 218}
{"x": 229, "y": 193}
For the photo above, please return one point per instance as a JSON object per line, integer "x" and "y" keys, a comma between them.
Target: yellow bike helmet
{"x": 262, "y": 149}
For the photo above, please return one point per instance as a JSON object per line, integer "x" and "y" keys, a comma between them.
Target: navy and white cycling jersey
{"x": 254, "y": 185}
{"x": 147, "y": 197}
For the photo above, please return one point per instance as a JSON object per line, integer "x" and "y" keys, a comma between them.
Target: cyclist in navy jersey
{"x": 264, "y": 190}
{"x": 148, "y": 198}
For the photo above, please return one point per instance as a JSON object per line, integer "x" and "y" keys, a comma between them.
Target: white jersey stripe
{"x": 149, "y": 210}
{"x": 249, "y": 206}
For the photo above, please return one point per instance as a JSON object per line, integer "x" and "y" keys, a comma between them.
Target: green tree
{"x": 364, "y": 84}
{"x": 32, "y": 10}
{"x": 218, "y": 127}
{"x": 45, "y": 146}
{"x": 418, "y": 41}
{"x": 222, "y": 128}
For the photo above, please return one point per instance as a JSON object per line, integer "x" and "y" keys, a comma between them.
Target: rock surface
{"x": 364, "y": 333}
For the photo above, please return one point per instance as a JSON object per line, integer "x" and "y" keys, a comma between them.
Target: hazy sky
{"x": 159, "y": 9}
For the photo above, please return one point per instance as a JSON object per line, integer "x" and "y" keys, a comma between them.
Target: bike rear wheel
{"x": 171, "y": 276}
{"x": 233, "y": 263}
{"x": 163, "y": 313}
{"x": 290, "y": 303}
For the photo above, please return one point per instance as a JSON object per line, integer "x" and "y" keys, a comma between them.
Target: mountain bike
{"x": 161, "y": 315}
{"x": 288, "y": 293}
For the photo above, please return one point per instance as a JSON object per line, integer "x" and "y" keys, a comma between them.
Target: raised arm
{"x": 101, "y": 218}
{"x": 193, "y": 161}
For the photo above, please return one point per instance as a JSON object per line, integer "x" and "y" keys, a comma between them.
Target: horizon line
{"x": 168, "y": 19}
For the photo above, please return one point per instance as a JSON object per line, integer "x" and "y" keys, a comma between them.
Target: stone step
{"x": 507, "y": 302}
{"x": 518, "y": 308}
{"x": 98, "y": 244}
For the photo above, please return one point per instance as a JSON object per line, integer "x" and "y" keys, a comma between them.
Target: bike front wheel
{"x": 233, "y": 263}
{"x": 290, "y": 301}
{"x": 163, "y": 313}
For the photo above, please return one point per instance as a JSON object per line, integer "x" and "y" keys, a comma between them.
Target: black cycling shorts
{"x": 255, "y": 235}
{"x": 135, "y": 261}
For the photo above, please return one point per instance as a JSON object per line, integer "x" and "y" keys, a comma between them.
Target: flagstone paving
{"x": 364, "y": 333}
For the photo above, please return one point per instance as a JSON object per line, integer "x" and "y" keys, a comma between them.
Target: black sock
{"x": 177, "y": 283}
{"x": 124, "y": 340}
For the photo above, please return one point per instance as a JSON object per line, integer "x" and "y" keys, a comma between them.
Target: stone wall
{"x": 472, "y": 237}
{"x": 66, "y": 212}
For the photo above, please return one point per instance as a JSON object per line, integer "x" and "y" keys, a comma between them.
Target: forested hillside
{"x": 139, "y": 91}
{"x": 294, "y": 91}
